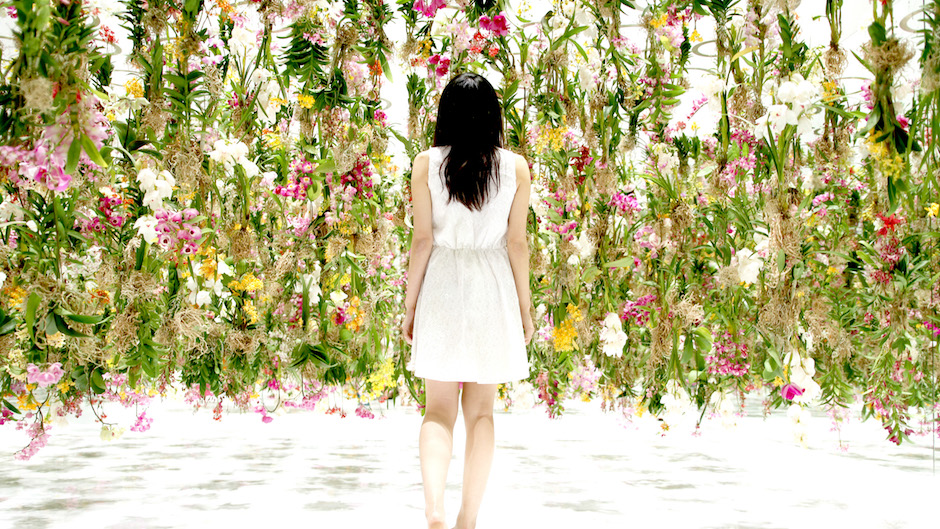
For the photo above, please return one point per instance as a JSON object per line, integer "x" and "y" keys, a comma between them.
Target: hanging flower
{"x": 429, "y": 7}
{"x": 612, "y": 337}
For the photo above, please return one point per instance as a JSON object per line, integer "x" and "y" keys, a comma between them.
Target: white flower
{"x": 250, "y": 167}
{"x": 676, "y": 399}
{"x": 232, "y": 153}
{"x": 110, "y": 433}
{"x": 523, "y": 396}
{"x": 798, "y": 414}
{"x": 9, "y": 210}
{"x": 802, "y": 371}
{"x": 267, "y": 179}
{"x": 244, "y": 43}
{"x": 313, "y": 286}
{"x": 612, "y": 337}
{"x": 31, "y": 224}
{"x": 3, "y": 278}
{"x": 788, "y": 92}
{"x": 749, "y": 265}
{"x": 779, "y": 116}
{"x": 337, "y": 297}
{"x": 146, "y": 227}
{"x": 146, "y": 177}
{"x": 203, "y": 298}
{"x": 761, "y": 242}
{"x": 223, "y": 269}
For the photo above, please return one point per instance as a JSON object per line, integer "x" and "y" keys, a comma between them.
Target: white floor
{"x": 588, "y": 469}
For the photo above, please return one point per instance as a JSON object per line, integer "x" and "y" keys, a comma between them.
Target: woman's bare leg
{"x": 436, "y": 446}
{"x": 477, "y": 405}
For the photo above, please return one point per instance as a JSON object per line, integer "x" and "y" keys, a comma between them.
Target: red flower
{"x": 890, "y": 223}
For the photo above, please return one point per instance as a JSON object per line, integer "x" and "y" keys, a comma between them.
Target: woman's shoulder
{"x": 519, "y": 164}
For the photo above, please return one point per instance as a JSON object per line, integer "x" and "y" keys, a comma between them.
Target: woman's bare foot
{"x": 436, "y": 522}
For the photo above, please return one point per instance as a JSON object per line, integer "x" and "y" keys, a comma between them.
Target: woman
{"x": 468, "y": 302}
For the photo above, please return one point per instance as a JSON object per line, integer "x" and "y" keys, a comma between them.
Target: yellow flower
{"x": 574, "y": 312}
{"x": 305, "y": 101}
{"x": 933, "y": 210}
{"x": 64, "y": 385}
{"x": 251, "y": 311}
{"x": 208, "y": 268}
{"x": 357, "y": 314}
{"x": 564, "y": 336}
{"x": 56, "y": 340}
{"x": 248, "y": 283}
{"x": 16, "y": 295}
{"x": 659, "y": 21}
{"x": 778, "y": 382}
{"x": 134, "y": 88}
{"x": 695, "y": 36}
{"x": 380, "y": 380}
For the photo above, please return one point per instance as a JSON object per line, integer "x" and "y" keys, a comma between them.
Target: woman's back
{"x": 455, "y": 225}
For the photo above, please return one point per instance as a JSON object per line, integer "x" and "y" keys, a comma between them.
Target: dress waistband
{"x": 470, "y": 248}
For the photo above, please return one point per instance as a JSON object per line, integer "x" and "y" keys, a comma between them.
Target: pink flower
{"x": 497, "y": 24}
{"x": 789, "y": 391}
{"x": 364, "y": 412}
{"x": 46, "y": 378}
{"x": 429, "y": 8}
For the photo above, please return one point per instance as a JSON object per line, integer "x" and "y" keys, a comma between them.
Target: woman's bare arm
{"x": 422, "y": 237}
{"x": 516, "y": 241}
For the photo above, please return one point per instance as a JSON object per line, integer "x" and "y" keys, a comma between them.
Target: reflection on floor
{"x": 588, "y": 469}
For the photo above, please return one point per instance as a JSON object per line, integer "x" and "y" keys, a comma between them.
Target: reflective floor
{"x": 586, "y": 470}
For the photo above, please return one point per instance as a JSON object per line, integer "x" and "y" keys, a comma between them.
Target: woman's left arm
{"x": 422, "y": 238}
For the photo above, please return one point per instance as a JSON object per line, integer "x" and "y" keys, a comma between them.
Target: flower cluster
{"x": 174, "y": 231}
{"x": 626, "y": 204}
{"x": 613, "y": 339}
{"x": 46, "y": 377}
{"x": 635, "y": 311}
{"x": 157, "y": 187}
{"x": 728, "y": 357}
{"x": 232, "y": 154}
{"x": 801, "y": 371}
{"x": 584, "y": 379}
{"x": 143, "y": 423}
{"x": 440, "y": 64}
{"x": 496, "y": 25}
{"x": 429, "y": 8}
{"x": 549, "y": 392}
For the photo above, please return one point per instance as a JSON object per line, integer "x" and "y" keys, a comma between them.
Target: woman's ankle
{"x": 463, "y": 522}
{"x": 435, "y": 519}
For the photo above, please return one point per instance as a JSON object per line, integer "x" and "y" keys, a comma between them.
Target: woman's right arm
{"x": 517, "y": 244}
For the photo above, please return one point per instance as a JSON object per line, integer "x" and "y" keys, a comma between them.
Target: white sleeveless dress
{"x": 467, "y": 326}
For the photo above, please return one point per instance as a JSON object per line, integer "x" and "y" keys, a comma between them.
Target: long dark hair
{"x": 470, "y": 121}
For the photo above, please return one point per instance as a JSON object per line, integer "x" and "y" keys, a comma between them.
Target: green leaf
{"x": 97, "y": 381}
{"x": 620, "y": 263}
{"x": 10, "y": 406}
{"x": 878, "y": 33}
{"x": 590, "y": 274}
{"x": 71, "y": 163}
{"x": 781, "y": 260}
{"x": 30, "y": 317}
{"x": 65, "y": 329}
{"x": 91, "y": 320}
{"x": 92, "y": 152}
